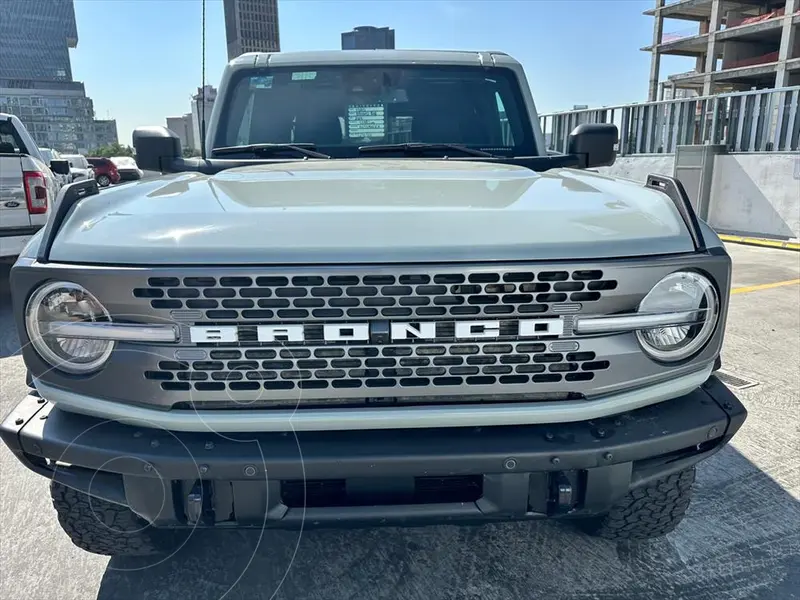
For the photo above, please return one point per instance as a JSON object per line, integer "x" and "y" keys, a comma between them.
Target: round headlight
{"x": 681, "y": 292}
{"x": 55, "y": 304}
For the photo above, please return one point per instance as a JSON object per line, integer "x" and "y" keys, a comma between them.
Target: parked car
{"x": 28, "y": 186}
{"x": 48, "y": 154}
{"x": 105, "y": 171}
{"x": 411, "y": 333}
{"x": 127, "y": 167}
{"x": 79, "y": 167}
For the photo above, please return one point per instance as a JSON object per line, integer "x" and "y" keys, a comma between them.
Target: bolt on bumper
{"x": 517, "y": 472}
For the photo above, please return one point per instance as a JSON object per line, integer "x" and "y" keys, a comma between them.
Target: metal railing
{"x": 755, "y": 121}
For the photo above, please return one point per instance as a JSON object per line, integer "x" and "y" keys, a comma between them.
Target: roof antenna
{"x": 203, "y": 90}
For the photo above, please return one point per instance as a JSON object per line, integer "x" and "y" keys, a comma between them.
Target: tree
{"x": 190, "y": 153}
{"x": 115, "y": 149}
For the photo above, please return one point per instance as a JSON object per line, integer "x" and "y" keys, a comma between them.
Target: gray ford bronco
{"x": 377, "y": 300}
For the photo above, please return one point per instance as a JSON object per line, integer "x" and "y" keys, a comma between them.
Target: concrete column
{"x": 655, "y": 60}
{"x": 730, "y": 52}
{"x": 788, "y": 34}
{"x": 711, "y": 51}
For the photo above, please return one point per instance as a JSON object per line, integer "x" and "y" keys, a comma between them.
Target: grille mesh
{"x": 435, "y": 368}
{"x": 395, "y": 367}
{"x": 336, "y": 297}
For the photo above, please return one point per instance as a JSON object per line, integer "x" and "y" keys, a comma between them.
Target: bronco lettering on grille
{"x": 364, "y": 332}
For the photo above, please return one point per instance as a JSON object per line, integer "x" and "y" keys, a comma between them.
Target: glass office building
{"x": 36, "y": 77}
{"x": 368, "y": 38}
{"x": 35, "y": 38}
{"x": 251, "y": 26}
{"x": 105, "y": 132}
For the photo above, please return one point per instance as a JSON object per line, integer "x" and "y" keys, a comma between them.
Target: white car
{"x": 48, "y": 154}
{"x": 79, "y": 167}
{"x": 127, "y": 167}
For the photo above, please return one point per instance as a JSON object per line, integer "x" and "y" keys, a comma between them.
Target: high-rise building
{"x": 36, "y": 77}
{"x": 251, "y": 26}
{"x": 105, "y": 133}
{"x": 737, "y": 45}
{"x": 368, "y": 38}
{"x": 183, "y": 128}
{"x": 35, "y": 38}
{"x": 202, "y": 105}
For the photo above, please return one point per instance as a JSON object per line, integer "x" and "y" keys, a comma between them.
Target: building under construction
{"x": 738, "y": 45}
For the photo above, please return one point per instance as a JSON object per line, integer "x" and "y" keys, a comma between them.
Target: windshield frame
{"x": 225, "y": 111}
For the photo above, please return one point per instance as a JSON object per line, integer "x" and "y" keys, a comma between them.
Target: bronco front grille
{"x": 273, "y": 298}
{"x": 227, "y": 355}
{"x": 394, "y": 368}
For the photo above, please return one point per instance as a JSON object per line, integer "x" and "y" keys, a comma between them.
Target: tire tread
{"x": 646, "y": 512}
{"x": 102, "y": 527}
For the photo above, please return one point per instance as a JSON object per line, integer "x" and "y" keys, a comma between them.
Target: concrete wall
{"x": 640, "y": 166}
{"x": 751, "y": 193}
{"x": 756, "y": 194}
{"x": 736, "y": 51}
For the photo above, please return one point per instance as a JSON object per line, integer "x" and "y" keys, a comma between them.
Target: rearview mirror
{"x": 594, "y": 144}
{"x": 59, "y": 166}
{"x": 156, "y": 148}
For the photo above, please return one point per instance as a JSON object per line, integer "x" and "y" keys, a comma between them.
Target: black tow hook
{"x": 199, "y": 508}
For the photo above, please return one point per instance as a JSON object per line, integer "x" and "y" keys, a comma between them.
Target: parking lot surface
{"x": 740, "y": 540}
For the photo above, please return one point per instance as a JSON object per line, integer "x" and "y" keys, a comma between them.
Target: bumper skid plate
{"x": 397, "y": 477}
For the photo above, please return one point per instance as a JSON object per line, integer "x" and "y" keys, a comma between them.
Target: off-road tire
{"x": 646, "y": 512}
{"x": 103, "y": 180}
{"x": 105, "y": 528}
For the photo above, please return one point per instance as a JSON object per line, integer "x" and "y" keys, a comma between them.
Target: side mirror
{"x": 156, "y": 148}
{"x": 594, "y": 144}
{"x": 59, "y": 166}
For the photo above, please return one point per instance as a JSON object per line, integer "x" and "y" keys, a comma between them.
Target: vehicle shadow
{"x": 741, "y": 539}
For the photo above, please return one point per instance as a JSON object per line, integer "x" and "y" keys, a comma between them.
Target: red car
{"x": 105, "y": 172}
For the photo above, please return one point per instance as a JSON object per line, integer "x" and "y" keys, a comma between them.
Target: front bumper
{"x": 398, "y": 477}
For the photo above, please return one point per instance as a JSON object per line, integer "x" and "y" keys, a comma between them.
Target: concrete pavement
{"x": 740, "y": 540}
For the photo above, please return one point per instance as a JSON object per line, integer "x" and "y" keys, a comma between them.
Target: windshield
{"x": 339, "y": 108}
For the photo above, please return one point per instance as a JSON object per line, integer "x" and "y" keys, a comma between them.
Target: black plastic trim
{"x": 616, "y": 454}
{"x": 107, "y": 486}
{"x": 98, "y": 484}
{"x": 212, "y": 166}
{"x": 677, "y": 193}
{"x": 68, "y": 197}
{"x": 18, "y": 231}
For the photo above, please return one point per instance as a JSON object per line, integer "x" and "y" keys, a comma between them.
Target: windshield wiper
{"x": 421, "y": 148}
{"x": 305, "y": 149}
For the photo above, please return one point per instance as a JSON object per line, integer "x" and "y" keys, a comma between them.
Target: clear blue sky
{"x": 140, "y": 59}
